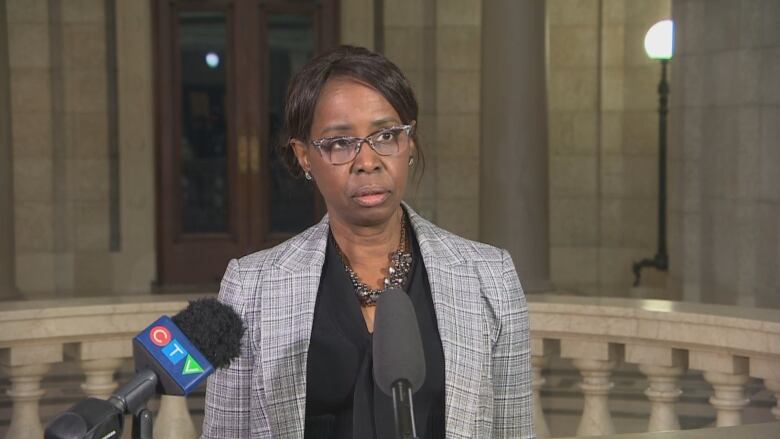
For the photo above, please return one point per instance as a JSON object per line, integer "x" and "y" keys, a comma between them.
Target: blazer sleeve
{"x": 228, "y": 390}
{"x": 512, "y": 409}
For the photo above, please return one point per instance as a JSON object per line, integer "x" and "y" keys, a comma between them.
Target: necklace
{"x": 400, "y": 266}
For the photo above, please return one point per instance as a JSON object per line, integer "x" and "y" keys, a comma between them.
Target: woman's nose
{"x": 367, "y": 159}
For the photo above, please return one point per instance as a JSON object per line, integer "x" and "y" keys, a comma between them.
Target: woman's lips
{"x": 371, "y": 197}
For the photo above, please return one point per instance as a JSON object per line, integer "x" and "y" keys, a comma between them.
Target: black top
{"x": 342, "y": 400}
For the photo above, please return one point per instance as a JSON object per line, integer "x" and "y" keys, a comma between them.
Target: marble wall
{"x": 30, "y": 84}
{"x": 61, "y": 111}
{"x": 724, "y": 237}
{"x": 357, "y": 24}
{"x": 437, "y": 45}
{"x": 725, "y": 152}
{"x": 603, "y": 143}
{"x": 84, "y": 201}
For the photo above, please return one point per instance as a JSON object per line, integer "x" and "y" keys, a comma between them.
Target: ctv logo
{"x": 173, "y": 350}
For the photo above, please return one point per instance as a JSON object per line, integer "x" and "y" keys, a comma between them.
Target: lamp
{"x": 659, "y": 44}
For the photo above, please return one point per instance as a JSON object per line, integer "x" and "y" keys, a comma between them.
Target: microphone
{"x": 399, "y": 362}
{"x": 172, "y": 357}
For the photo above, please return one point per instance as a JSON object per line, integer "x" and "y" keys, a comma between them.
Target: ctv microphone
{"x": 399, "y": 362}
{"x": 172, "y": 357}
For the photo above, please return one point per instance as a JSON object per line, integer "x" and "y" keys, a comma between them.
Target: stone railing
{"x": 664, "y": 339}
{"x": 96, "y": 333}
{"x": 728, "y": 344}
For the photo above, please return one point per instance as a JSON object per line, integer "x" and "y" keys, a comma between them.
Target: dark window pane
{"x": 290, "y": 45}
{"x": 204, "y": 114}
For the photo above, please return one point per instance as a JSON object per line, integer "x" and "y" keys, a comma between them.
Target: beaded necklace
{"x": 400, "y": 266}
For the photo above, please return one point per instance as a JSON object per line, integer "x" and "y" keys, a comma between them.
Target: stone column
{"x": 174, "y": 420}
{"x": 723, "y": 152}
{"x": 728, "y": 375}
{"x": 541, "y": 351}
{"x": 25, "y": 366}
{"x": 513, "y": 162}
{"x": 663, "y": 367}
{"x": 99, "y": 376}
{"x": 595, "y": 361}
{"x": 100, "y": 360}
{"x": 7, "y": 284}
{"x": 769, "y": 370}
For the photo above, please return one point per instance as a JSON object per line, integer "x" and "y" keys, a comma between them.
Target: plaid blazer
{"x": 482, "y": 318}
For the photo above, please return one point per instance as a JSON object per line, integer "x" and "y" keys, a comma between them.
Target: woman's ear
{"x": 301, "y": 153}
{"x": 412, "y": 144}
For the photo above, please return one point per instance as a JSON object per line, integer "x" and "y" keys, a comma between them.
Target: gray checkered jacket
{"x": 482, "y": 318}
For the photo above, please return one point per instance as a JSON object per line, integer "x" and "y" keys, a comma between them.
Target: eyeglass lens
{"x": 344, "y": 149}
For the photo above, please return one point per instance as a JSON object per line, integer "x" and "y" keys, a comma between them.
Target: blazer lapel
{"x": 455, "y": 293}
{"x": 289, "y": 296}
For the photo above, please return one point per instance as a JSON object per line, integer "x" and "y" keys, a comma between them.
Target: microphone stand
{"x": 142, "y": 424}
{"x": 403, "y": 410}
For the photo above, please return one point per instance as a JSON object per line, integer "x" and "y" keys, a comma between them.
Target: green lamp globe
{"x": 659, "y": 41}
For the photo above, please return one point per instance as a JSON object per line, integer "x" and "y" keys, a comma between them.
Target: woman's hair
{"x": 358, "y": 63}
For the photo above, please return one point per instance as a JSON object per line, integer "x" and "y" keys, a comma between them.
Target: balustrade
{"x": 96, "y": 333}
{"x": 663, "y": 340}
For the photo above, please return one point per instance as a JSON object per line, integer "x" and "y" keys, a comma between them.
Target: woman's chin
{"x": 374, "y": 215}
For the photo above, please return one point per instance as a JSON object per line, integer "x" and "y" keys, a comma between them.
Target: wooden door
{"x": 222, "y": 68}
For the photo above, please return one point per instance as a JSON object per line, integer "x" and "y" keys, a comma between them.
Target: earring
{"x": 411, "y": 160}
{"x": 307, "y": 174}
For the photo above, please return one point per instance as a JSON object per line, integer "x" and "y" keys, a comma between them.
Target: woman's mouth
{"x": 371, "y": 197}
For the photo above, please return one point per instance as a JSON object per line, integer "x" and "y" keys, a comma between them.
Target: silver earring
{"x": 307, "y": 174}
{"x": 411, "y": 161}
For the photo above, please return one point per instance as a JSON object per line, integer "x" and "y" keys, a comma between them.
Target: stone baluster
{"x": 173, "y": 419}
{"x": 663, "y": 367}
{"x": 595, "y": 361}
{"x": 99, "y": 376}
{"x": 768, "y": 369}
{"x": 541, "y": 351}
{"x": 727, "y": 374}
{"x": 25, "y": 366}
{"x": 100, "y": 360}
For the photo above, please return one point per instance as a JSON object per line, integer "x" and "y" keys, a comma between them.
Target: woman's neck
{"x": 368, "y": 249}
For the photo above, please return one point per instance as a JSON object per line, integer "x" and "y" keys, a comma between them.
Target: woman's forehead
{"x": 346, "y": 104}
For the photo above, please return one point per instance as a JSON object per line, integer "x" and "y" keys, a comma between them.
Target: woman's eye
{"x": 339, "y": 144}
{"x": 386, "y": 136}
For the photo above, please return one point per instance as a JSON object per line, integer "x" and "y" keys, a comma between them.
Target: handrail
{"x": 766, "y": 430}
{"x": 736, "y": 330}
{"x": 37, "y": 321}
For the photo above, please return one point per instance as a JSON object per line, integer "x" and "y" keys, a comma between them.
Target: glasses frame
{"x": 409, "y": 129}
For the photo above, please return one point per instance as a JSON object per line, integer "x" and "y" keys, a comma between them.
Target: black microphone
{"x": 172, "y": 357}
{"x": 399, "y": 362}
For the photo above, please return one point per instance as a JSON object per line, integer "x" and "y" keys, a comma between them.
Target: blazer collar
{"x": 308, "y": 248}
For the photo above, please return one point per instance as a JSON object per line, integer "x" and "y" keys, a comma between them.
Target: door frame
{"x": 181, "y": 257}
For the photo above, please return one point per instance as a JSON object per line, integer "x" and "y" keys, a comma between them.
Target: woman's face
{"x": 368, "y": 190}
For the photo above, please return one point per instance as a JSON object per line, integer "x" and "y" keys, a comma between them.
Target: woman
{"x": 309, "y": 303}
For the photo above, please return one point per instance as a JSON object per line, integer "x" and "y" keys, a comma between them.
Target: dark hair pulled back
{"x": 358, "y": 63}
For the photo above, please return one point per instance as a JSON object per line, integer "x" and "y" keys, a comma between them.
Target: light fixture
{"x": 659, "y": 40}
{"x": 212, "y": 60}
{"x": 659, "y": 44}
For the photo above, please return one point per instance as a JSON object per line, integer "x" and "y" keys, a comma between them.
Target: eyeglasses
{"x": 343, "y": 149}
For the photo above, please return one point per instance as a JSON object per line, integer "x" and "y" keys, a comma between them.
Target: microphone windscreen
{"x": 213, "y": 328}
{"x": 398, "y": 352}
